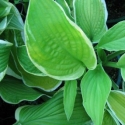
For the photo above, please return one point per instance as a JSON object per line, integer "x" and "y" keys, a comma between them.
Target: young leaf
{"x": 95, "y": 88}
{"x": 116, "y": 103}
{"x": 114, "y": 38}
{"x": 91, "y": 16}
{"x": 25, "y": 61}
{"x": 70, "y": 91}
{"x": 51, "y": 113}
{"x": 56, "y": 46}
{"x": 108, "y": 119}
{"x": 3, "y": 25}
{"x": 14, "y": 91}
{"x": 4, "y": 56}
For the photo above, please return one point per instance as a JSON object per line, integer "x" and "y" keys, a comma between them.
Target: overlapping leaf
{"x": 4, "y": 56}
{"x": 116, "y": 103}
{"x": 95, "y": 88}
{"x": 91, "y": 16}
{"x": 56, "y": 46}
{"x": 114, "y": 38}
{"x": 14, "y": 91}
{"x": 108, "y": 119}
{"x": 70, "y": 92}
{"x": 43, "y": 82}
{"x": 51, "y": 113}
{"x": 25, "y": 61}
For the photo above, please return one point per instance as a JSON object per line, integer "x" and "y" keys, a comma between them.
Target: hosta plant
{"x": 63, "y": 51}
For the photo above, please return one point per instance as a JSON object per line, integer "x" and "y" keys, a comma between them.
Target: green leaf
{"x": 42, "y": 82}
{"x": 109, "y": 119}
{"x": 66, "y": 8}
{"x": 4, "y": 8}
{"x": 51, "y": 113}
{"x": 116, "y": 103}
{"x": 56, "y": 46}
{"x": 91, "y": 16}
{"x": 14, "y": 91}
{"x": 95, "y": 88}
{"x": 3, "y": 25}
{"x": 25, "y": 61}
{"x": 70, "y": 91}
{"x": 121, "y": 64}
{"x": 114, "y": 38}
{"x": 15, "y": 21}
{"x": 4, "y": 56}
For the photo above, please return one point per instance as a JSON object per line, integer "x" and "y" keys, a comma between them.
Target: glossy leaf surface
{"x": 95, "y": 88}
{"x": 114, "y": 38}
{"x": 116, "y": 103}
{"x": 70, "y": 91}
{"x": 51, "y": 113}
{"x": 56, "y": 45}
{"x": 91, "y": 16}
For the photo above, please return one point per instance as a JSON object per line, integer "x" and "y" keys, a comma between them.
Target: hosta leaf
{"x": 3, "y": 25}
{"x": 43, "y": 82}
{"x": 51, "y": 113}
{"x": 4, "y": 56}
{"x": 25, "y": 61}
{"x": 70, "y": 91}
{"x": 91, "y": 16}
{"x": 116, "y": 103}
{"x": 4, "y": 8}
{"x": 114, "y": 38}
{"x": 65, "y": 6}
{"x": 95, "y": 88}
{"x": 16, "y": 20}
{"x": 109, "y": 119}
{"x": 121, "y": 64}
{"x": 56, "y": 46}
{"x": 14, "y": 91}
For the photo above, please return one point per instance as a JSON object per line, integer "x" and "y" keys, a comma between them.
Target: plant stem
{"x": 111, "y": 64}
{"x": 113, "y": 55}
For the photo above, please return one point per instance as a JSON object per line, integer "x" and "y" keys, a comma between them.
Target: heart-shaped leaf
{"x": 95, "y": 88}
{"x": 55, "y": 44}
{"x": 91, "y": 16}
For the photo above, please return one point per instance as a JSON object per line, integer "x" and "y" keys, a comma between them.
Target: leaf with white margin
{"x": 14, "y": 91}
{"x": 66, "y": 8}
{"x": 42, "y": 82}
{"x": 56, "y": 45}
{"x": 69, "y": 96}
{"x": 121, "y": 64}
{"x": 109, "y": 119}
{"x": 116, "y": 103}
{"x": 91, "y": 16}
{"x": 95, "y": 89}
{"x": 51, "y": 113}
{"x": 25, "y": 61}
{"x": 114, "y": 38}
{"x": 4, "y": 56}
